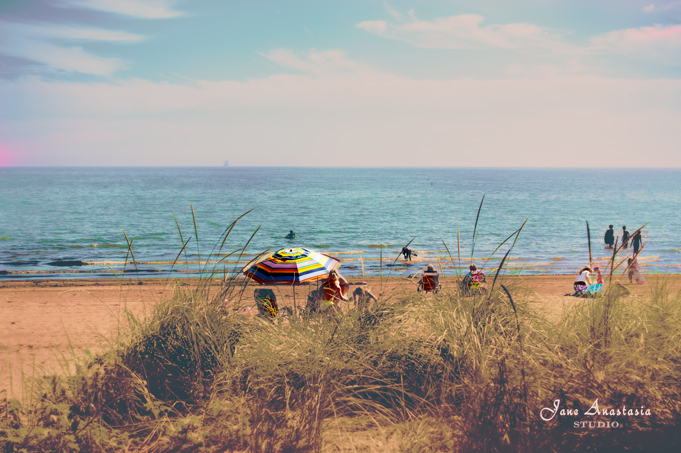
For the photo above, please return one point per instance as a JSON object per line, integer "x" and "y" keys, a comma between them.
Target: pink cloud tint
{"x": 6, "y": 156}
{"x": 657, "y": 42}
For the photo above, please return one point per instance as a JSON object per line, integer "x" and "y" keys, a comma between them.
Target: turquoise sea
{"x": 69, "y": 222}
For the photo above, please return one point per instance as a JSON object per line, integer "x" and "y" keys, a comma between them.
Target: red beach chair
{"x": 430, "y": 283}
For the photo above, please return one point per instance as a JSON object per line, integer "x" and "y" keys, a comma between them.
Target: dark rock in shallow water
{"x": 66, "y": 263}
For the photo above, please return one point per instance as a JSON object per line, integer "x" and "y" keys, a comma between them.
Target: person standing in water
{"x": 625, "y": 237}
{"x": 637, "y": 241}
{"x": 290, "y": 235}
{"x": 609, "y": 238}
{"x": 407, "y": 252}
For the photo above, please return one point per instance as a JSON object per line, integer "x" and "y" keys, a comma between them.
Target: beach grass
{"x": 409, "y": 373}
{"x": 442, "y": 372}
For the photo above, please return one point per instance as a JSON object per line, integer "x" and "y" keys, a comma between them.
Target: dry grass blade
{"x": 475, "y": 229}
{"x": 196, "y": 233}
{"x": 588, "y": 238}
{"x": 134, "y": 261}
{"x": 633, "y": 257}
{"x": 612, "y": 261}
{"x": 223, "y": 239}
{"x": 458, "y": 243}
{"x": 520, "y": 230}
{"x": 450, "y": 255}
{"x": 616, "y": 250}
{"x": 496, "y": 275}
{"x": 231, "y": 227}
{"x": 400, "y": 252}
{"x": 180, "y": 254}
{"x": 504, "y": 241}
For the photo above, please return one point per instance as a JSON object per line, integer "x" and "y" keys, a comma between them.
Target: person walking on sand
{"x": 625, "y": 237}
{"x": 609, "y": 238}
{"x": 636, "y": 241}
{"x": 634, "y": 272}
{"x": 407, "y": 252}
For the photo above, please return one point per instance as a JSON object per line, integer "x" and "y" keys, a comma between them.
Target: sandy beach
{"x": 45, "y": 325}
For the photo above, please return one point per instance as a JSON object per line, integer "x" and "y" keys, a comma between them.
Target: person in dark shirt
{"x": 290, "y": 235}
{"x": 609, "y": 237}
{"x": 637, "y": 241}
{"x": 407, "y": 252}
{"x": 625, "y": 237}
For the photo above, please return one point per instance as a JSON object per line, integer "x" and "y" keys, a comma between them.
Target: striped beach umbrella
{"x": 291, "y": 266}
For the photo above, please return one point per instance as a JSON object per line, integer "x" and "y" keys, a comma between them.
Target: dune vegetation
{"x": 443, "y": 372}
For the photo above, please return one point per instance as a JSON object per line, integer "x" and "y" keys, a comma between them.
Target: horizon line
{"x": 342, "y": 167}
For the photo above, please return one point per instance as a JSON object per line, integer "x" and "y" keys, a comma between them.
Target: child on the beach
{"x": 634, "y": 272}
{"x": 475, "y": 280}
{"x": 362, "y": 297}
{"x": 583, "y": 281}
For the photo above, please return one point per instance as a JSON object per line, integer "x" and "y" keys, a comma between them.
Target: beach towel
{"x": 595, "y": 289}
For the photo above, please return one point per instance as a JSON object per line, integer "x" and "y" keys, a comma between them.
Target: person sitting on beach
{"x": 362, "y": 296}
{"x": 429, "y": 281}
{"x": 290, "y": 235}
{"x": 313, "y": 300}
{"x": 597, "y": 287}
{"x": 334, "y": 289}
{"x": 582, "y": 282}
{"x": 475, "y": 280}
{"x": 625, "y": 237}
{"x": 266, "y": 301}
{"x": 609, "y": 237}
{"x": 407, "y": 252}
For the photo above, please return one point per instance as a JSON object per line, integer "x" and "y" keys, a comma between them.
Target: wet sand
{"x": 46, "y": 325}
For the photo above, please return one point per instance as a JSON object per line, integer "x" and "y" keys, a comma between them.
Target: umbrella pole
{"x": 295, "y": 307}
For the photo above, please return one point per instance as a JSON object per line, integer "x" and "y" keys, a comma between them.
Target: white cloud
{"x": 466, "y": 31}
{"x": 364, "y": 119}
{"x": 144, "y": 9}
{"x": 36, "y": 42}
{"x": 46, "y": 31}
{"x": 666, "y": 7}
{"x": 659, "y": 42}
{"x": 69, "y": 59}
{"x": 315, "y": 62}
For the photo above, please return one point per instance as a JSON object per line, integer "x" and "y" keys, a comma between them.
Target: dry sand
{"x": 45, "y": 324}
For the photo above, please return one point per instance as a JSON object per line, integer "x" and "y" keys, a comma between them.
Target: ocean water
{"x": 70, "y": 222}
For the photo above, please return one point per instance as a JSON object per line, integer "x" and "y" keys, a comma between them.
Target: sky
{"x": 352, "y": 83}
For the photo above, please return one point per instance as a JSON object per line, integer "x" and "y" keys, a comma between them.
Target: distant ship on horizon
{"x": 226, "y": 164}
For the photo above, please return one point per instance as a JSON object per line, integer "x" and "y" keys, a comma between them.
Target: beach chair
{"x": 475, "y": 285}
{"x": 430, "y": 283}
{"x": 266, "y": 302}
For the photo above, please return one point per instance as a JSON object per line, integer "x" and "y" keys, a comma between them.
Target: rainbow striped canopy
{"x": 291, "y": 266}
